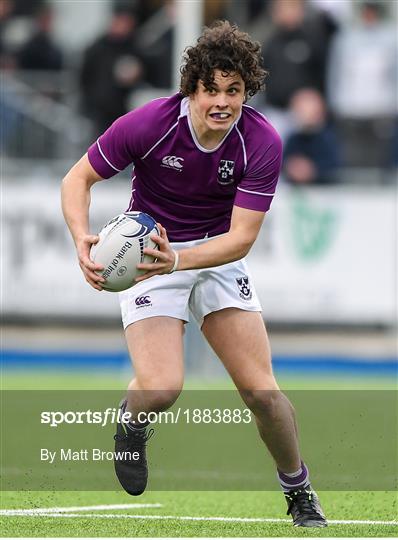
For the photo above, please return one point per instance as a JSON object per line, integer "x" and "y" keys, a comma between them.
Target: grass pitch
{"x": 186, "y": 514}
{"x": 189, "y": 514}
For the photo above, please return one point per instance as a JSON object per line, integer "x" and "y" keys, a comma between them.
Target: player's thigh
{"x": 240, "y": 340}
{"x": 155, "y": 345}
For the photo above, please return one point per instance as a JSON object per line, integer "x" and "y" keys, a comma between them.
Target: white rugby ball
{"x": 121, "y": 247}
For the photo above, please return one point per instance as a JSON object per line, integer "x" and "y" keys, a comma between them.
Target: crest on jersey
{"x": 244, "y": 287}
{"x": 225, "y": 172}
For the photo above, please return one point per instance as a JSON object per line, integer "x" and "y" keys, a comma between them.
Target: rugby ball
{"x": 121, "y": 247}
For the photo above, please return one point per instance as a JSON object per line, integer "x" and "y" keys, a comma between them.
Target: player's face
{"x": 216, "y": 108}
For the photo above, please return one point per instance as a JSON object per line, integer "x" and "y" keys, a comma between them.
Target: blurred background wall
{"x": 326, "y": 258}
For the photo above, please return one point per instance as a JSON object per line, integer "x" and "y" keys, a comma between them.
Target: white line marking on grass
{"x": 57, "y": 510}
{"x": 196, "y": 518}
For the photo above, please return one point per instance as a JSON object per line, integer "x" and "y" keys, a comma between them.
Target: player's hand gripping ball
{"x": 121, "y": 247}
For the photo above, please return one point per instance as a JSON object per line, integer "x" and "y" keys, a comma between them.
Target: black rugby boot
{"x": 304, "y": 507}
{"x": 130, "y": 458}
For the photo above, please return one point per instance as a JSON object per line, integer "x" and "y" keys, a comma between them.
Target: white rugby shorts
{"x": 199, "y": 291}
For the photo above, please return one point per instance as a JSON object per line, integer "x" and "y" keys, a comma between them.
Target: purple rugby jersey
{"x": 190, "y": 190}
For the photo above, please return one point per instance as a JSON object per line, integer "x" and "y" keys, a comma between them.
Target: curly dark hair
{"x": 222, "y": 46}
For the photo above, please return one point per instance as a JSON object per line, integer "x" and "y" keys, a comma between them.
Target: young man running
{"x": 205, "y": 167}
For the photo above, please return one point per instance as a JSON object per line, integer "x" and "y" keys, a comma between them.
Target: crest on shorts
{"x": 225, "y": 172}
{"x": 244, "y": 287}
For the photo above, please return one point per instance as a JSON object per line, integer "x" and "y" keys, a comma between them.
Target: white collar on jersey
{"x": 184, "y": 111}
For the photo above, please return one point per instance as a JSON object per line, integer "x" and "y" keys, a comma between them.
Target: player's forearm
{"x": 75, "y": 197}
{"x": 222, "y": 250}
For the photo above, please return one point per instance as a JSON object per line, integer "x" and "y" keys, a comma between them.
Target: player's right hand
{"x": 88, "y": 267}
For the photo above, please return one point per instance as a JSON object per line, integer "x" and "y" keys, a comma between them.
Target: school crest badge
{"x": 225, "y": 172}
{"x": 244, "y": 288}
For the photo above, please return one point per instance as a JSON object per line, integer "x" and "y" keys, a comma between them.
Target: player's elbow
{"x": 243, "y": 238}
{"x": 243, "y": 246}
{"x": 81, "y": 174}
{"x": 70, "y": 185}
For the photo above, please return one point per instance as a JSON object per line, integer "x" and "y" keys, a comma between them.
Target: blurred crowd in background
{"x": 331, "y": 90}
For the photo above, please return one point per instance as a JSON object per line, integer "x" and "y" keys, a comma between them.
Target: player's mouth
{"x": 220, "y": 116}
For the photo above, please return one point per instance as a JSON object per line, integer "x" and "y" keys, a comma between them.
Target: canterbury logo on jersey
{"x": 173, "y": 162}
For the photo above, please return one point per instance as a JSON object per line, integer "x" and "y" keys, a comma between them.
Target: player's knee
{"x": 156, "y": 400}
{"x": 154, "y": 393}
{"x": 262, "y": 402}
{"x": 164, "y": 399}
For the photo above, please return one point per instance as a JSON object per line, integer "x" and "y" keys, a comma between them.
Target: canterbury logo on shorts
{"x": 143, "y": 301}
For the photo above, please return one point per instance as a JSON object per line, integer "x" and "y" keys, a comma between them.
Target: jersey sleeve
{"x": 127, "y": 139}
{"x": 257, "y": 187}
{"x": 114, "y": 150}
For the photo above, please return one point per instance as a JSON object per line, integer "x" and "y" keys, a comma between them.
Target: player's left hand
{"x": 165, "y": 256}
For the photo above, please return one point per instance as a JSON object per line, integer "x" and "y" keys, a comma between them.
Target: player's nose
{"x": 222, "y": 101}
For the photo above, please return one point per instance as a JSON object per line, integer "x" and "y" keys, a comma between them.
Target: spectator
{"x": 362, "y": 86}
{"x": 112, "y": 68}
{"x": 295, "y": 55}
{"x": 312, "y": 153}
{"x": 40, "y": 52}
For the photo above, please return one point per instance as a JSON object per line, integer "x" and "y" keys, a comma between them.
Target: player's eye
{"x": 232, "y": 91}
{"x": 211, "y": 91}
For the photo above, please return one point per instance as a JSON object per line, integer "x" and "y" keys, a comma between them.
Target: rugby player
{"x": 205, "y": 166}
